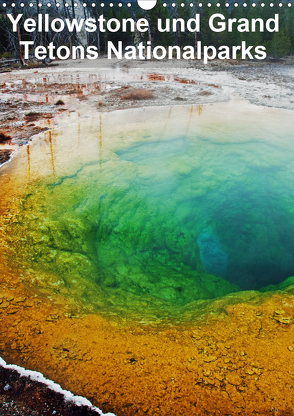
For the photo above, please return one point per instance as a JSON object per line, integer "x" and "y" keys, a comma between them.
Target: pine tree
{"x": 158, "y": 38}
{"x": 280, "y": 45}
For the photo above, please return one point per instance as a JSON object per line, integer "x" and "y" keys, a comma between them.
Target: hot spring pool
{"x": 156, "y": 206}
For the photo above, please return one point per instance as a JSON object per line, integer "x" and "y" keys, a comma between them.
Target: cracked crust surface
{"x": 234, "y": 360}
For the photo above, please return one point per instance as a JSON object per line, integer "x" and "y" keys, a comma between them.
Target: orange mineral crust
{"x": 239, "y": 361}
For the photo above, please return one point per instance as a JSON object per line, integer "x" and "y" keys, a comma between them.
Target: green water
{"x": 194, "y": 205}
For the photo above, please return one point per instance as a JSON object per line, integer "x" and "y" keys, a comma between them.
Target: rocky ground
{"x": 29, "y": 97}
{"x": 25, "y": 397}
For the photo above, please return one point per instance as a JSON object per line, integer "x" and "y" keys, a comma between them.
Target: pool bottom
{"x": 235, "y": 355}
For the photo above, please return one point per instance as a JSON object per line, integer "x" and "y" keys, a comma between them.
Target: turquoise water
{"x": 194, "y": 205}
{"x": 241, "y": 226}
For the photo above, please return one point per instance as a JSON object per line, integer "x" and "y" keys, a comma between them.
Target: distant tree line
{"x": 278, "y": 44}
